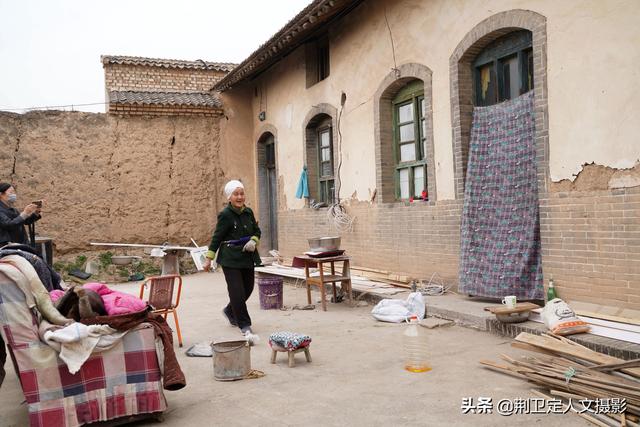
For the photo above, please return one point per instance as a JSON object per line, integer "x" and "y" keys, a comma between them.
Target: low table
{"x": 344, "y": 278}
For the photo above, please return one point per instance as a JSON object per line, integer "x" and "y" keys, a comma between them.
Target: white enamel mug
{"x": 509, "y": 301}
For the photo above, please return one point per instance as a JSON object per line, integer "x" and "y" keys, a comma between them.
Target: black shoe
{"x": 229, "y": 318}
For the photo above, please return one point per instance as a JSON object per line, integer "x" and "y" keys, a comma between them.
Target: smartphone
{"x": 38, "y": 203}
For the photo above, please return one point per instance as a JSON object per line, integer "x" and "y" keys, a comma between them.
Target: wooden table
{"x": 344, "y": 278}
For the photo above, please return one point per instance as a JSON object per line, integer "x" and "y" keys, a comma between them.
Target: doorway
{"x": 268, "y": 192}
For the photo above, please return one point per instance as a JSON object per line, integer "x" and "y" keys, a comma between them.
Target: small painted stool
{"x": 275, "y": 348}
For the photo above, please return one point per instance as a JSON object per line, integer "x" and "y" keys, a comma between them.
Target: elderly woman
{"x": 12, "y": 221}
{"x": 234, "y": 240}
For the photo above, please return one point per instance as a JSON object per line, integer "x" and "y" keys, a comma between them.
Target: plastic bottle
{"x": 415, "y": 347}
{"x": 551, "y": 291}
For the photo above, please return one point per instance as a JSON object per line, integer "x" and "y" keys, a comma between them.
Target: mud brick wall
{"x": 115, "y": 179}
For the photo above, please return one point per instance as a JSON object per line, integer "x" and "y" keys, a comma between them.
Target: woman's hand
{"x": 250, "y": 246}
{"x": 30, "y": 210}
{"x": 207, "y": 265}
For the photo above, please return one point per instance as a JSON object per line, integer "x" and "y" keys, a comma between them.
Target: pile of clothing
{"x": 82, "y": 319}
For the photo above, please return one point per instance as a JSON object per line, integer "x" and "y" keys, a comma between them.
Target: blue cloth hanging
{"x": 303, "y": 185}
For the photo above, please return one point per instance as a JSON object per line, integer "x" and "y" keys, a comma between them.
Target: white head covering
{"x": 231, "y": 187}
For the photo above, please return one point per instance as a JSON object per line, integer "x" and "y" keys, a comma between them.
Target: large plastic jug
{"x": 415, "y": 347}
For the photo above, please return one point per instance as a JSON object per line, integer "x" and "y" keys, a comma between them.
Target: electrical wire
{"x": 337, "y": 213}
{"x": 435, "y": 287}
{"x": 340, "y": 218}
{"x": 393, "y": 49}
{"x": 49, "y": 107}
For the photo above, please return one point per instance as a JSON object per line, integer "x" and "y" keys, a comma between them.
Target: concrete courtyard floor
{"x": 356, "y": 377}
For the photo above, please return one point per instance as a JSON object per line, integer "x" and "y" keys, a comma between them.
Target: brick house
{"x": 151, "y": 86}
{"x": 327, "y": 91}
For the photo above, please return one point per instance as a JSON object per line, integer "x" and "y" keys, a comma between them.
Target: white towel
{"x": 77, "y": 342}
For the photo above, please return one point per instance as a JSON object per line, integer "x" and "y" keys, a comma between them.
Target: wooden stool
{"x": 276, "y": 348}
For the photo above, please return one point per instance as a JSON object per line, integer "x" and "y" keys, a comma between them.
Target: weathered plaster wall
{"x": 589, "y": 223}
{"x": 590, "y": 112}
{"x": 114, "y": 179}
{"x": 237, "y": 146}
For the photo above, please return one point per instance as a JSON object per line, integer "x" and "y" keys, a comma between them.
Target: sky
{"x": 50, "y": 49}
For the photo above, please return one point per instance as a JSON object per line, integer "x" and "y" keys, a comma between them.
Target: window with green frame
{"x": 326, "y": 182}
{"x": 409, "y": 141}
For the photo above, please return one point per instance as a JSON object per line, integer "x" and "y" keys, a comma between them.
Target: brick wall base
{"x": 419, "y": 239}
{"x": 591, "y": 245}
{"x": 590, "y": 241}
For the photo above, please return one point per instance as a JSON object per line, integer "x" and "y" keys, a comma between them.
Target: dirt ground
{"x": 356, "y": 377}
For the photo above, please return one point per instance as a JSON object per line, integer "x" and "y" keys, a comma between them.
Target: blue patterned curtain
{"x": 500, "y": 233}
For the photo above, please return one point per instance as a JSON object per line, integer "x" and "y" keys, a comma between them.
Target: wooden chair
{"x": 161, "y": 289}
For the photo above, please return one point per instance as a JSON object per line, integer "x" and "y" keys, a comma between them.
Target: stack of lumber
{"x": 383, "y": 276}
{"x": 373, "y": 274}
{"x": 572, "y": 372}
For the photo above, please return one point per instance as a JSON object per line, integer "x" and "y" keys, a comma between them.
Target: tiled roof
{"x": 198, "y": 99}
{"x": 299, "y": 30}
{"x": 167, "y": 63}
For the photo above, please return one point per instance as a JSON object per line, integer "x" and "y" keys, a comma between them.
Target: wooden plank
{"x": 609, "y": 317}
{"x": 615, "y": 366}
{"x": 591, "y": 418}
{"x": 372, "y": 270}
{"x": 572, "y": 350}
{"x": 501, "y": 368}
{"x": 520, "y": 307}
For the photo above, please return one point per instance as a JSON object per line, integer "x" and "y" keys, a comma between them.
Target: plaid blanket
{"x": 124, "y": 380}
{"x": 500, "y": 232}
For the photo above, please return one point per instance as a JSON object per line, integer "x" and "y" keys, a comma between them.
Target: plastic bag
{"x": 397, "y": 311}
{"x": 560, "y": 319}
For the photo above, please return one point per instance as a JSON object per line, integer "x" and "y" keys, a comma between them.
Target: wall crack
{"x": 16, "y": 151}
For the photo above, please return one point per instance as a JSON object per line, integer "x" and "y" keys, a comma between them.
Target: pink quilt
{"x": 115, "y": 302}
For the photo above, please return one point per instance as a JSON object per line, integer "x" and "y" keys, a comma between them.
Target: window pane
{"x": 326, "y": 169}
{"x": 407, "y": 152}
{"x": 486, "y": 85}
{"x": 418, "y": 180}
{"x": 324, "y": 138}
{"x": 404, "y": 183}
{"x": 326, "y": 155}
{"x": 511, "y": 80}
{"x": 405, "y": 113}
{"x": 407, "y": 133}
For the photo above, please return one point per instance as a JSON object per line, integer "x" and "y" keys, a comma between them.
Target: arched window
{"x": 504, "y": 69}
{"x": 409, "y": 140}
{"x": 320, "y": 157}
{"x": 326, "y": 181}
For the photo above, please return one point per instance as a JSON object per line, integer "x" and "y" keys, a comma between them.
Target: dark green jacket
{"x": 234, "y": 224}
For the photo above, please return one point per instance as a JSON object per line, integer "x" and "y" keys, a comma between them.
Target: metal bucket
{"x": 231, "y": 360}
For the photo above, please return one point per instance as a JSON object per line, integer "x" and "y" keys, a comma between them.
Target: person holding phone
{"x": 12, "y": 221}
{"x": 12, "y": 230}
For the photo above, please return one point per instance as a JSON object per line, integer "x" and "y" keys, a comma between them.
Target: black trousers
{"x": 240, "y": 286}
